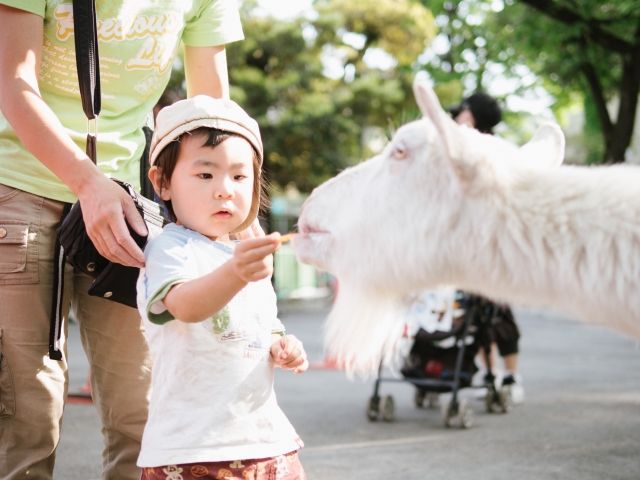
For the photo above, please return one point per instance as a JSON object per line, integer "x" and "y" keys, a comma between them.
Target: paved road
{"x": 581, "y": 419}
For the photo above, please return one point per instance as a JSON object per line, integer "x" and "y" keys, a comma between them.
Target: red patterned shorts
{"x": 283, "y": 467}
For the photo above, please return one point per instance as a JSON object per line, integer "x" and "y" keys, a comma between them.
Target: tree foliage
{"x": 313, "y": 125}
{"x": 276, "y": 75}
{"x": 591, "y": 46}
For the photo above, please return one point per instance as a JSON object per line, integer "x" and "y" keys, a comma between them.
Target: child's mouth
{"x": 222, "y": 215}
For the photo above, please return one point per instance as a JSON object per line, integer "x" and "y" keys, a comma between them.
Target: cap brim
{"x": 208, "y": 122}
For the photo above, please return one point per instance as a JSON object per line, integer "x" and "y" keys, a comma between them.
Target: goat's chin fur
{"x": 363, "y": 327}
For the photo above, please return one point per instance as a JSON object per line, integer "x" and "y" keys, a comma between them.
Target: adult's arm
{"x": 105, "y": 205}
{"x": 205, "y": 71}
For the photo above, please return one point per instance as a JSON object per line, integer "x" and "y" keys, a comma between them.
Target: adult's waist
{"x": 27, "y": 173}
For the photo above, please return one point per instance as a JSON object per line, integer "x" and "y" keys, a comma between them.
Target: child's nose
{"x": 225, "y": 189}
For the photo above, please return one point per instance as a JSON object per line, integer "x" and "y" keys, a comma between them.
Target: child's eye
{"x": 205, "y": 176}
{"x": 239, "y": 177}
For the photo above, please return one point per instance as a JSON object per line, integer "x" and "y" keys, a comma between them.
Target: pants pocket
{"x": 13, "y": 246}
{"x": 20, "y": 214}
{"x": 7, "y": 395}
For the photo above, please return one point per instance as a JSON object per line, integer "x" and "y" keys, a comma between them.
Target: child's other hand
{"x": 253, "y": 259}
{"x": 288, "y": 353}
{"x": 254, "y": 231}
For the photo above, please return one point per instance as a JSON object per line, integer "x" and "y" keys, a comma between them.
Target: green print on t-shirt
{"x": 221, "y": 320}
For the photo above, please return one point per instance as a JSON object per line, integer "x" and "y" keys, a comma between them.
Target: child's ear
{"x": 155, "y": 175}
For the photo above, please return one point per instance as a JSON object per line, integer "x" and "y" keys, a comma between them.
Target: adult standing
{"x": 43, "y": 166}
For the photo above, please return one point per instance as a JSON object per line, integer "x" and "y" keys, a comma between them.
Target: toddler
{"x": 209, "y": 309}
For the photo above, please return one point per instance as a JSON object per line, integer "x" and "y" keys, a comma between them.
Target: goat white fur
{"x": 446, "y": 205}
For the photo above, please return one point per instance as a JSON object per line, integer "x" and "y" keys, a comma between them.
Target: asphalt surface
{"x": 580, "y": 420}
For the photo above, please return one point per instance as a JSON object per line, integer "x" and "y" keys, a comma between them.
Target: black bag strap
{"x": 88, "y": 66}
{"x": 87, "y": 57}
{"x": 55, "y": 322}
{"x": 146, "y": 188}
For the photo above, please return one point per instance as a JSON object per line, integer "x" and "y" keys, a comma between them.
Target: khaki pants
{"x": 33, "y": 388}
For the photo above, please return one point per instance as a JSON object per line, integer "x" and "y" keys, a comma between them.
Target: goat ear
{"x": 448, "y": 129}
{"x": 546, "y": 148}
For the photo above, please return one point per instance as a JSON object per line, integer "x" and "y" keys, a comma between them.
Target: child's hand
{"x": 253, "y": 260}
{"x": 288, "y": 353}
{"x": 254, "y": 231}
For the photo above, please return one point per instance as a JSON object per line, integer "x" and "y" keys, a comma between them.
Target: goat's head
{"x": 384, "y": 227}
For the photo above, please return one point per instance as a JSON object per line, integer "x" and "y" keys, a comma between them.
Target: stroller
{"x": 444, "y": 361}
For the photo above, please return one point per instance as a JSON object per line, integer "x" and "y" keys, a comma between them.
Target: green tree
{"x": 312, "y": 124}
{"x": 591, "y": 46}
{"x": 402, "y": 28}
{"x": 467, "y": 55}
{"x": 460, "y": 64}
{"x": 398, "y": 30}
{"x": 276, "y": 75}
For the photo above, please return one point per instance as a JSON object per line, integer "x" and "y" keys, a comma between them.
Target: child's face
{"x": 211, "y": 188}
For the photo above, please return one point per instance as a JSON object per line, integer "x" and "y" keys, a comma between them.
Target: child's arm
{"x": 198, "y": 299}
{"x": 288, "y": 353}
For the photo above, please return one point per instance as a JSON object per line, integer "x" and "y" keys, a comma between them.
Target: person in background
{"x": 43, "y": 166}
{"x": 482, "y": 112}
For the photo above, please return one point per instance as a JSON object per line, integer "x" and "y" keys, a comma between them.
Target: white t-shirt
{"x": 212, "y": 397}
{"x": 432, "y": 310}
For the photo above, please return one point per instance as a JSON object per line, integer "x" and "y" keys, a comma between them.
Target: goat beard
{"x": 364, "y": 328}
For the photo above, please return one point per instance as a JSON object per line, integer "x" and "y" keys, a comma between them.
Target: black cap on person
{"x": 484, "y": 108}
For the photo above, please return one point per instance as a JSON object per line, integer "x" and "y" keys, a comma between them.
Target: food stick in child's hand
{"x": 286, "y": 238}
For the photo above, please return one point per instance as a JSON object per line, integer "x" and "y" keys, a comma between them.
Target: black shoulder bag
{"x": 112, "y": 281}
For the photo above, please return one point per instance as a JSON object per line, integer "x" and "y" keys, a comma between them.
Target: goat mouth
{"x": 308, "y": 231}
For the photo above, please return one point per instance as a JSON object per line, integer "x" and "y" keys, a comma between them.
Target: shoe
{"x": 517, "y": 389}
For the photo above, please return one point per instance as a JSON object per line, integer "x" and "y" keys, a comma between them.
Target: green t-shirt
{"x": 138, "y": 41}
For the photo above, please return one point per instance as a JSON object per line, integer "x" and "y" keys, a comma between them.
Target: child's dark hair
{"x": 168, "y": 158}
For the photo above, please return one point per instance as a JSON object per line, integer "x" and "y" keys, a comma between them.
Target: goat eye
{"x": 399, "y": 152}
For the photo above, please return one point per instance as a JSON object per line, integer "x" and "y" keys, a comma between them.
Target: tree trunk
{"x": 617, "y": 137}
{"x": 597, "y": 93}
{"x": 628, "y": 94}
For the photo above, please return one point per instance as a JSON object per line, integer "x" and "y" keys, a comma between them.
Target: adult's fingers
{"x": 120, "y": 245}
{"x": 105, "y": 206}
{"x": 109, "y": 235}
{"x": 133, "y": 217}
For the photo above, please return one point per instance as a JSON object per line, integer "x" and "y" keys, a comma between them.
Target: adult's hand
{"x": 105, "y": 207}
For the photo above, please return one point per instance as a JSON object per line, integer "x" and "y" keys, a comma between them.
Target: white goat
{"x": 446, "y": 205}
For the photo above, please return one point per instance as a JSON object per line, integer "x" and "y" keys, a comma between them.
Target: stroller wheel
{"x": 463, "y": 418}
{"x": 433, "y": 399}
{"x": 388, "y": 409}
{"x": 506, "y": 399}
{"x": 500, "y": 401}
{"x": 490, "y": 401}
{"x": 418, "y": 397}
{"x": 373, "y": 406}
